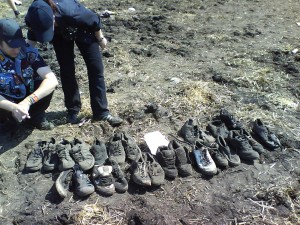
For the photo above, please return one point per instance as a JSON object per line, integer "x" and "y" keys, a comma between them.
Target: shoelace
{"x": 37, "y": 154}
{"x": 62, "y": 154}
{"x": 142, "y": 169}
{"x": 78, "y": 156}
{"x": 105, "y": 181}
{"x": 170, "y": 162}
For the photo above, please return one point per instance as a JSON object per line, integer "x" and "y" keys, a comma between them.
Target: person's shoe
{"x": 190, "y": 131}
{"x": 265, "y": 136}
{"x": 63, "y": 151}
{"x": 44, "y": 125}
{"x": 219, "y": 157}
{"x": 217, "y": 128}
{"x": 155, "y": 171}
{"x": 203, "y": 159}
{"x": 229, "y": 153}
{"x": 182, "y": 162}
{"x": 81, "y": 154}
{"x": 115, "y": 148}
{"x": 114, "y": 121}
{"x": 230, "y": 121}
{"x": 72, "y": 117}
{"x": 241, "y": 145}
{"x": 35, "y": 158}
{"x": 99, "y": 152}
{"x": 140, "y": 173}
{"x": 255, "y": 145}
{"x": 64, "y": 182}
{"x": 132, "y": 150}
{"x": 82, "y": 184}
{"x": 167, "y": 158}
{"x": 51, "y": 159}
{"x": 120, "y": 182}
{"x": 103, "y": 180}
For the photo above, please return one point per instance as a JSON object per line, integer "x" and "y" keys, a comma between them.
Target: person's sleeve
{"x": 38, "y": 63}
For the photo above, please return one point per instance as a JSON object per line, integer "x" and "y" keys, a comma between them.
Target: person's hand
{"x": 103, "y": 43}
{"x": 20, "y": 112}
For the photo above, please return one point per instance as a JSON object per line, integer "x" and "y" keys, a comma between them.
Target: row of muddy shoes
{"x": 84, "y": 168}
{"x": 226, "y": 142}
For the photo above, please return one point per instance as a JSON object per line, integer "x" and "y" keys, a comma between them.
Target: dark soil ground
{"x": 188, "y": 58}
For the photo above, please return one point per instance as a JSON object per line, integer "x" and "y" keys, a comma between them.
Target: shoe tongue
{"x": 168, "y": 153}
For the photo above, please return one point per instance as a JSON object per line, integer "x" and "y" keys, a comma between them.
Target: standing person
{"x": 26, "y": 82}
{"x": 65, "y": 22}
{"x": 12, "y": 5}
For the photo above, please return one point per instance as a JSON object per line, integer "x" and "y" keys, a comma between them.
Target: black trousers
{"x": 92, "y": 56}
{"x": 36, "y": 111}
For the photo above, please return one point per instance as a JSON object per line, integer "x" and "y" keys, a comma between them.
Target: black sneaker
{"x": 241, "y": 145}
{"x": 103, "y": 179}
{"x": 64, "y": 182}
{"x": 63, "y": 151}
{"x": 51, "y": 159}
{"x": 72, "y": 117}
{"x": 265, "y": 136}
{"x": 132, "y": 150}
{"x": 229, "y": 153}
{"x": 43, "y": 125}
{"x": 81, "y": 154}
{"x": 115, "y": 148}
{"x": 255, "y": 145}
{"x": 114, "y": 121}
{"x": 140, "y": 173}
{"x": 190, "y": 131}
{"x": 230, "y": 121}
{"x": 155, "y": 171}
{"x": 167, "y": 159}
{"x": 35, "y": 158}
{"x": 99, "y": 152}
{"x": 82, "y": 184}
{"x": 183, "y": 162}
{"x": 217, "y": 128}
{"x": 121, "y": 184}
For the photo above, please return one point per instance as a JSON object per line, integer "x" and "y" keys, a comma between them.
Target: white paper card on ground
{"x": 154, "y": 140}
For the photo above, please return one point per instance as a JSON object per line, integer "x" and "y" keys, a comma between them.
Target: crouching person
{"x": 26, "y": 82}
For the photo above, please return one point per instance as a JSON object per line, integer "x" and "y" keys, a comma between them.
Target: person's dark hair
{"x": 52, "y": 5}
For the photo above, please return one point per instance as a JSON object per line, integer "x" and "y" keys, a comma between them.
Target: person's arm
{"x": 101, "y": 39}
{"x": 46, "y": 87}
{"x": 19, "y": 112}
{"x": 12, "y": 5}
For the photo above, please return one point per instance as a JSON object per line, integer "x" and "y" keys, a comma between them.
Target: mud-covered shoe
{"x": 140, "y": 173}
{"x": 114, "y": 121}
{"x": 99, "y": 152}
{"x": 241, "y": 145}
{"x": 219, "y": 157}
{"x": 63, "y": 151}
{"x": 81, "y": 154}
{"x": 207, "y": 139}
{"x": 120, "y": 182}
{"x": 167, "y": 159}
{"x": 204, "y": 162}
{"x": 182, "y": 162}
{"x": 35, "y": 158}
{"x": 132, "y": 150}
{"x": 115, "y": 148}
{"x": 255, "y": 145}
{"x": 265, "y": 136}
{"x": 155, "y": 171}
{"x": 51, "y": 159}
{"x": 217, "y": 128}
{"x": 81, "y": 182}
{"x": 103, "y": 180}
{"x": 190, "y": 131}
{"x": 231, "y": 155}
{"x": 229, "y": 120}
{"x": 64, "y": 182}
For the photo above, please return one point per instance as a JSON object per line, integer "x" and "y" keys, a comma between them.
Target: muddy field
{"x": 169, "y": 61}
